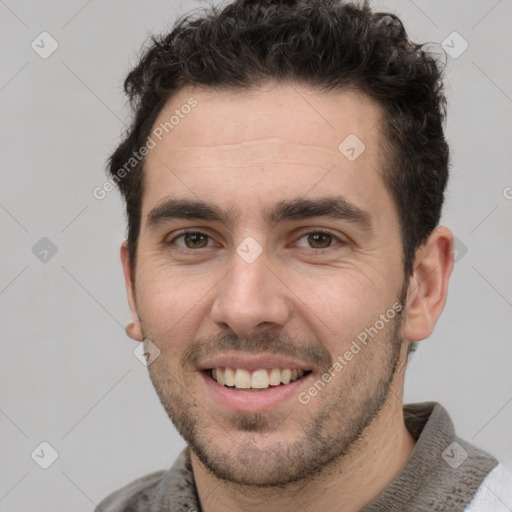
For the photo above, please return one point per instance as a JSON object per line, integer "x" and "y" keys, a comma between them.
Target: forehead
{"x": 273, "y": 141}
{"x": 233, "y": 116}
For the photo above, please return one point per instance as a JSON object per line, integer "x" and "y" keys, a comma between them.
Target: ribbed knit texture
{"x": 427, "y": 483}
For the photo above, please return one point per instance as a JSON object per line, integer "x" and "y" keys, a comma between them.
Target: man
{"x": 284, "y": 177}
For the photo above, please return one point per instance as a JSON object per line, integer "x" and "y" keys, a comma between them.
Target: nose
{"x": 250, "y": 297}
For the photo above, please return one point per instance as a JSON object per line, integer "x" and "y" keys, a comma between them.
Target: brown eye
{"x": 195, "y": 240}
{"x": 192, "y": 240}
{"x": 320, "y": 240}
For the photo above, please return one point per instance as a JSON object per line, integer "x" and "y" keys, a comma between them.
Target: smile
{"x": 240, "y": 378}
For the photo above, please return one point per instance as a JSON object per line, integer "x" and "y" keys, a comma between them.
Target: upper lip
{"x": 253, "y": 362}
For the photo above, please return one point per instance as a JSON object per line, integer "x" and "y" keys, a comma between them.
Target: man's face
{"x": 281, "y": 279}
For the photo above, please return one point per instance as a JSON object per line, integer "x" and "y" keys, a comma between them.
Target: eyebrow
{"x": 333, "y": 207}
{"x": 170, "y": 209}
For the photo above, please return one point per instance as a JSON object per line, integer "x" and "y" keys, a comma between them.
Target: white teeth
{"x": 242, "y": 379}
{"x": 258, "y": 379}
{"x": 286, "y": 376}
{"x": 220, "y": 377}
{"x": 229, "y": 376}
{"x": 275, "y": 377}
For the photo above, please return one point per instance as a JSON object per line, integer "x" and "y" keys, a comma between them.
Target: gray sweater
{"x": 444, "y": 473}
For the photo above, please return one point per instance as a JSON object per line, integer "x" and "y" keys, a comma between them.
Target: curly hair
{"x": 328, "y": 44}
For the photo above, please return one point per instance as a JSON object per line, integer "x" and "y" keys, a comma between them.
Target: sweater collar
{"x": 442, "y": 473}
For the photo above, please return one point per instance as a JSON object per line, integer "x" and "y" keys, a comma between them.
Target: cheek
{"x": 171, "y": 306}
{"x": 341, "y": 307}
{"x": 164, "y": 288}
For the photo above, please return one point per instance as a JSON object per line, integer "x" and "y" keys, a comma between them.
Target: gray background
{"x": 68, "y": 374}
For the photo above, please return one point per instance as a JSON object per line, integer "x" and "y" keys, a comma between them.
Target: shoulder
{"x": 494, "y": 493}
{"x": 124, "y": 499}
{"x": 158, "y": 491}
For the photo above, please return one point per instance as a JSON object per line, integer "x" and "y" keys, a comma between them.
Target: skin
{"x": 247, "y": 152}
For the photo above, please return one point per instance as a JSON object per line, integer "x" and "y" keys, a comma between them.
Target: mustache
{"x": 266, "y": 341}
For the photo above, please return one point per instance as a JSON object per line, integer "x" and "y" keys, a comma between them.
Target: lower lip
{"x": 252, "y": 401}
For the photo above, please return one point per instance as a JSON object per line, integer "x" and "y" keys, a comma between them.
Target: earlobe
{"x": 428, "y": 287}
{"x": 134, "y": 328}
{"x": 133, "y": 331}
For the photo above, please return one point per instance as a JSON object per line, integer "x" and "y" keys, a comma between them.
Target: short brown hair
{"x": 328, "y": 44}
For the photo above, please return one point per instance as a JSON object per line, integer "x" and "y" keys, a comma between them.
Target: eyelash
{"x": 316, "y": 232}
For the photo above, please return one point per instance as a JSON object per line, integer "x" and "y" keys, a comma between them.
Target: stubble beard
{"x": 238, "y": 448}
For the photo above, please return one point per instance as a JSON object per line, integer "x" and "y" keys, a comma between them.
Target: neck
{"x": 346, "y": 485}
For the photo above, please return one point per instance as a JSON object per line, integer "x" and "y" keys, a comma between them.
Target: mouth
{"x": 240, "y": 379}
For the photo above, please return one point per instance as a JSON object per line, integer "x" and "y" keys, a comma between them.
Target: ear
{"x": 428, "y": 287}
{"x": 133, "y": 329}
